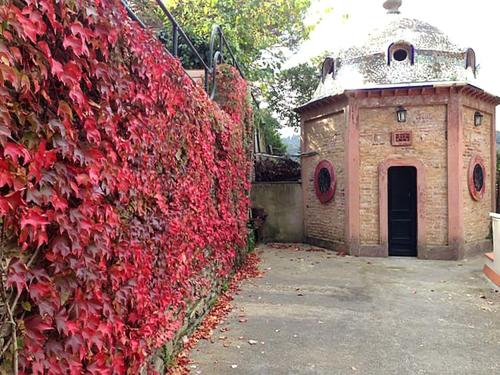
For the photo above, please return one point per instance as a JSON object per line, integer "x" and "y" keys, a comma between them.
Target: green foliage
{"x": 251, "y": 27}
{"x": 293, "y": 87}
{"x": 258, "y": 32}
{"x": 251, "y": 238}
{"x": 268, "y": 127}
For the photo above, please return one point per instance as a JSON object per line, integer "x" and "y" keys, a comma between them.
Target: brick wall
{"x": 428, "y": 124}
{"x": 325, "y": 136}
{"x": 476, "y": 142}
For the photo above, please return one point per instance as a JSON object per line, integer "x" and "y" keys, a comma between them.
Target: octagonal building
{"x": 398, "y": 147}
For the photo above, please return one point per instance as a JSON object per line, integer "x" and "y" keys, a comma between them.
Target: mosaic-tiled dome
{"x": 404, "y": 51}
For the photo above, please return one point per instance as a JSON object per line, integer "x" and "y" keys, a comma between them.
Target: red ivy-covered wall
{"x": 122, "y": 181}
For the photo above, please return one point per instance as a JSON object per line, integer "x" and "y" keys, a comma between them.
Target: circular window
{"x": 325, "y": 181}
{"x": 400, "y": 55}
{"x": 477, "y": 177}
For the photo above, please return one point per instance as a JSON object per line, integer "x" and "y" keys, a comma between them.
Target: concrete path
{"x": 318, "y": 313}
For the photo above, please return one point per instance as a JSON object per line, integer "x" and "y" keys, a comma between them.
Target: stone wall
{"x": 324, "y": 139}
{"x": 476, "y": 142}
{"x": 282, "y": 202}
{"x": 428, "y": 126}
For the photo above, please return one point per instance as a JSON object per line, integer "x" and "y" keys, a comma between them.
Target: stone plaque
{"x": 422, "y": 117}
{"x": 401, "y": 138}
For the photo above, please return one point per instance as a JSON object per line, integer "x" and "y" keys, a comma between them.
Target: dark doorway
{"x": 402, "y": 193}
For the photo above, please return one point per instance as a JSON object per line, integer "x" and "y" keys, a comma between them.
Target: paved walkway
{"x": 318, "y": 313}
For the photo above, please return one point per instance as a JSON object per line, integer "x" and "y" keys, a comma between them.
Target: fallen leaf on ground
{"x": 217, "y": 314}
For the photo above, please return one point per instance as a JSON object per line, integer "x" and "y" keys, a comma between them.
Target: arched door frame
{"x": 384, "y": 204}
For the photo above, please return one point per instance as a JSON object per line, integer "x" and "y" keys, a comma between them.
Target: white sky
{"x": 473, "y": 23}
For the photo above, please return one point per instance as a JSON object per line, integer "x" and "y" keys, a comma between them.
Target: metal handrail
{"x": 178, "y": 31}
{"x": 132, "y": 14}
{"x": 216, "y": 55}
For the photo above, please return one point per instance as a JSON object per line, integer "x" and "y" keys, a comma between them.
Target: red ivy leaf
{"x": 71, "y": 75}
{"x": 35, "y": 328}
{"x": 77, "y": 45}
{"x": 63, "y": 324}
{"x": 17, "y": 274}
{"x": 40, "y": 290}
{"x": 74, "y": 344}
{"x": 33, "y": 25}
{"x": 17, "y": 152}
{"x": 34, "y": 218}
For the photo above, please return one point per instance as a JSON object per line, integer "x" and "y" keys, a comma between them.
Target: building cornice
{"x": 412, "y": 89}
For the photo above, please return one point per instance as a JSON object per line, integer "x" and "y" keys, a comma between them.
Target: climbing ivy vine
{"x": 123, "y": 188}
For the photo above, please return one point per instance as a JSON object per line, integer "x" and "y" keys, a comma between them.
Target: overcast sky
{"x": 474, "y": 23}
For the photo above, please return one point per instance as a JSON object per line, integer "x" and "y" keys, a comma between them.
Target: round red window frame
{"x": 476, "y": 195}
{"x": 327, "y": 196}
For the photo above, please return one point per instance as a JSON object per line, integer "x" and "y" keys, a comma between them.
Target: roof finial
{"x": 393, "y": 6}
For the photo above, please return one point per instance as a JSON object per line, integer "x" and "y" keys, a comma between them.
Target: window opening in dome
{"x": 401, "y": 51}
{"x": 400, "y": 55}
{"x": 470, "y": 60}
{"x": 327, "y": 68}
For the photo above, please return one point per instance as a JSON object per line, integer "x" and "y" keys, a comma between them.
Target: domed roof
{"x": 418, "y": 33}
{"x": 403, "y": 51}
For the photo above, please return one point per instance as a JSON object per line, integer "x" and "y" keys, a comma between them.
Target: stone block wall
{"x": 324, "y": 139}
{"x": 282, "y": 202}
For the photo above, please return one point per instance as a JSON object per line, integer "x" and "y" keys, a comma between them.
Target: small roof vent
{"x": 393, "y": 6}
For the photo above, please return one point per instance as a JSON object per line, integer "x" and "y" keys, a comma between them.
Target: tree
{"x": 268, "y": 126}
{"x": 258, "y": 31}
{"x": 289, "y": 89}
{"x": 292, "y": 87}
{"x": 253, "y": 28}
